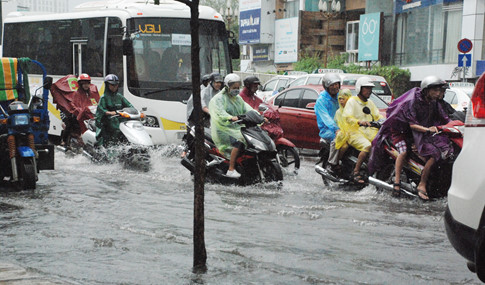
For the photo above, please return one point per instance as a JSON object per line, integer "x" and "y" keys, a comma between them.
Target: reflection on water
{"x": 103, "y": 224}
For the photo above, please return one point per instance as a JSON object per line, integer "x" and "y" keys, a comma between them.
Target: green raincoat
{"x": 108, "y": 127}
{"x": 222, "y": 108}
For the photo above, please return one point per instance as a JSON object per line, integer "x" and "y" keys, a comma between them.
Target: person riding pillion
{"x": 358, "y": 113}
{"x": 224, "y": 109}
{"x": 248, "y": 93}
{"x": 107, "y": 124}
{"x": 325, "y": 108}
{"x": 206, "y": 94}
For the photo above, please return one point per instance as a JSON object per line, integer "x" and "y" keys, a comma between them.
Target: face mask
{"x": 234, "y": 92}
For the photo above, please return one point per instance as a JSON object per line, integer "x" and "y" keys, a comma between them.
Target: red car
{"x": 297, "y": 116}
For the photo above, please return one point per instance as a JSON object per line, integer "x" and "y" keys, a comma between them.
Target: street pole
{"x": 200, "y": 254}
{"x": 464, "y": 68}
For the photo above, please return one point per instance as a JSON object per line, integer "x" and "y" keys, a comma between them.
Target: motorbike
{"x": 440, "y": 176}
{"x": 287, "y": 152}
{"x": 344, "y": 177}
{"x": 258, "y": 161}
{"x": 17, "y": 146}
{"x": 134, "y": 144}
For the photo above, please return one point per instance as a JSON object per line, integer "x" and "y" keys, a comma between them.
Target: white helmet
{"x": 364, "y": 81}
{"x": 432, "y": 81}
{"x": 231, "y": 78}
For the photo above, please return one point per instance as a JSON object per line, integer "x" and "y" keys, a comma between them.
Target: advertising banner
{"x": 286, "y": 40}
{"x": 260, "y": 53}
{"x": 250, "y": 26}
{"x": 369, "y": 34}
{"x": 403, "y": 6}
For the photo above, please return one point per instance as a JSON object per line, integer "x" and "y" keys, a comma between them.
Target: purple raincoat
{"x": 412, "y": 109}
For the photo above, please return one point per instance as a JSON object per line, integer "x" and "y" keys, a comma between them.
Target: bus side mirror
{"x": 234, "y": 51}
{"x": 127, "y": 46}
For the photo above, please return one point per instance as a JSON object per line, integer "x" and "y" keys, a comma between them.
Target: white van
{"x": 465, "y": 213}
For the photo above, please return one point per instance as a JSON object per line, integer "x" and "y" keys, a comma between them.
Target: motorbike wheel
{"x": 288, "y": 156}
{"x": 27, "y": 177}
{"x": 271, "y": 170}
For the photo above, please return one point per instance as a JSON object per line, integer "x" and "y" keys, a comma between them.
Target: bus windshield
{"x": 160, "y": 67}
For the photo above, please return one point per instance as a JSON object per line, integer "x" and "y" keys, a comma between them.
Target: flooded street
{"x": 102, "y": 224}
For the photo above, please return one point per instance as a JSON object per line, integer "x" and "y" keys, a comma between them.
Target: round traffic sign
{"x": 465, "y": 45}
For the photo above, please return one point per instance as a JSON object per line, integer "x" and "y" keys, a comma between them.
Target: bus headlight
{"x": 151, "y": 121}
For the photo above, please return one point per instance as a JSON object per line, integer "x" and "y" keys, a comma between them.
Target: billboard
{"x": 286, "y": 40}
{"x": 250, "y": 26}
{"x": 260, "y": 53}
{"x": 369, "y": 35}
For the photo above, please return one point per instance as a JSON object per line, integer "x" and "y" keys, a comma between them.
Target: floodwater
{"x": 102, "y": 224}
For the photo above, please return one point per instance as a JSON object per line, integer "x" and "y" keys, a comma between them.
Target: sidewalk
{"x": 15, "y": 275}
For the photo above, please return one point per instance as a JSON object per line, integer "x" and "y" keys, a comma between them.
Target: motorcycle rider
{"x": 325, "y": 108}
{"x": 86, "y": 95}
{"x": 107, "y": 126}
{"x": 206, "y": 95}
{"x": 224, "y": 109}
{"x": 206, "y": 78}
{"x": 342, "y": 137}
{"x": 359, "y": 128}
{"x": 248, "y": 93}
{"x": 419, "y": 111}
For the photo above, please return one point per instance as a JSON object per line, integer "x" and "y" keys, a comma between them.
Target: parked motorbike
{"x": 17, "y": 146}
{"x": 440, "y": 176}
{"x": 257, "y": 162}
{"x": 134, "y": 144}
{"x": 287, "y": 152}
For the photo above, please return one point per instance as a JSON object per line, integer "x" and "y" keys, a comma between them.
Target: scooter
{"x": 287, "y": 152}
{"x": 134, "y": 144}
{"x": 343, "y": 177}
{"x": 257, "y": 162}
{"x": 440, "y": 176}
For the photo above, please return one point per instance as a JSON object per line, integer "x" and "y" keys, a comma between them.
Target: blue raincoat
{"x": 325, "y": 109}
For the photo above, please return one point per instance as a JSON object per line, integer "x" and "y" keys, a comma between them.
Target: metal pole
{"x": 464, "y": 68}
{"x": 326, "y": 41}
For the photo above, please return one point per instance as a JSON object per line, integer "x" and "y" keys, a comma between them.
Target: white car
{"x": 273, "y": 86}
{"x": 459, "y": 95}
{"x": 465, "y": 213}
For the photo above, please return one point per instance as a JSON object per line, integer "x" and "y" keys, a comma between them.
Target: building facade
{"x": 420, "y": 35}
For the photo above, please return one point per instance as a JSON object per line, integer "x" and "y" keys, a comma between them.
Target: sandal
{"x": 396, "y": 192}
{"x": 357, "y": 178}
{"x": 423, "y": 192}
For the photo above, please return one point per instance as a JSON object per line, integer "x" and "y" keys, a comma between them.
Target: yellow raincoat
{"x": 343, "y": 135}
{"x": 360, "y": 137}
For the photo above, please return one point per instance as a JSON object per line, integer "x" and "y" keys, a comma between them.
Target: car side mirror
{"x": 310, "y": 106}
{"x": 47, "y": 82}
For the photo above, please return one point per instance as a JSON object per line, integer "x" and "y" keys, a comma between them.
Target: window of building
{"x": 352, "y": 36}
{"x": 292, "y": 7}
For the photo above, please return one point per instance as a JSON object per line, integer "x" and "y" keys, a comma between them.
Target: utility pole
{"x": 200, "y": 254}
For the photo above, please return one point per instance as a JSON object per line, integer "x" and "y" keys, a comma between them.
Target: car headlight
{"x": 20, "y": 120}
{"x": 151, "y": 121}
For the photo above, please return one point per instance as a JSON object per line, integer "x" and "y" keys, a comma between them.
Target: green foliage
{"x": 397, "y": 78}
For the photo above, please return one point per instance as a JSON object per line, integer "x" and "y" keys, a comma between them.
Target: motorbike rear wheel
{"x": 288, "y": 156}
{"x": 271, "y": 170}
{"x": 27, "y": 177}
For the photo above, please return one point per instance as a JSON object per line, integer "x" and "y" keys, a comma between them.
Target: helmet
{"x": 231, "y": 78}
{"x": 216, "y": 77}
{"x": 205, "y": 78}
{"x": 364, "y": 81}
{"x": 251, "y": 80}
{"x": 111, "y": 79}
{"x": 329, "y": 79}
{"x": 84, "y": 77}
{"x": 432, "y": 81}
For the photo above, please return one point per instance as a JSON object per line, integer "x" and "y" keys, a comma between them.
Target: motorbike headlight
{"x": 256, "y": 143}
{"x": 151, "y": 121}
{"x": 20, "y": 120}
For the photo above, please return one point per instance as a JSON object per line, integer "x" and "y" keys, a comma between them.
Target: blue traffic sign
{"x": 465, "y": 45}
{"x": 461, "y": 59}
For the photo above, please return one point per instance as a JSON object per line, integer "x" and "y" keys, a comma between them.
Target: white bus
{"x": 148, "y": 46}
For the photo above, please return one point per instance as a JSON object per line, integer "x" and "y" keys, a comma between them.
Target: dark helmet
{"x": 216, "y": 77}
{"x": 329, "y": 79}
{"x": 432, "y": 81}
{"x": 206, "y": 78}
{"x": 251, "y": 80}
{"x": 112, "y": 79}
